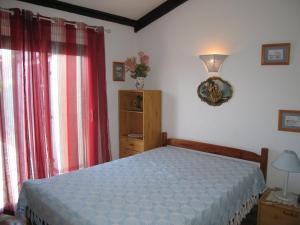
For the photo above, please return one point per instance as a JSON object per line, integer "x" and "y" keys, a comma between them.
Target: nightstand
{"x": 272, "y": 211}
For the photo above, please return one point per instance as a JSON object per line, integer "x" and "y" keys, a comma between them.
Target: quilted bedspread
{"x": 164, "y": 186}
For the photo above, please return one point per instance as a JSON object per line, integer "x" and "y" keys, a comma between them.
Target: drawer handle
{"x": 289, "y": 213}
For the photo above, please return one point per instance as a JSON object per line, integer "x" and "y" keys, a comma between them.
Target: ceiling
{"x": 133, "y": 9}
{"x": 135, "y": 13}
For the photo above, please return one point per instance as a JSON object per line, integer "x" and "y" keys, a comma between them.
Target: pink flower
{"x": 145, "y": 59}
{"x": 141, "y": 54}
{"x": 138, "y": 69}
{"x": 130, "y": 64}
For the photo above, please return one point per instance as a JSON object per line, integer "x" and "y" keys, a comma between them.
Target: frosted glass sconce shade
{"x": 213, "y": 62}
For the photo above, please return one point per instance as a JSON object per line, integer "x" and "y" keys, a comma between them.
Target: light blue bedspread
{"x": 164, "y": 186}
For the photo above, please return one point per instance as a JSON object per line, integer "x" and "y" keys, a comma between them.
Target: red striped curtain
{"x": 53, "y": 104}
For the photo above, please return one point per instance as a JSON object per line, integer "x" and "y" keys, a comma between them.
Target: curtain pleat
{"x": 98, "y": 98}
{"x": 72, "y": 130}
{"x": 53, "y": 100}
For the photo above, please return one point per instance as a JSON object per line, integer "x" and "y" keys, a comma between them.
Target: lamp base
{"x": 288, "y": 197}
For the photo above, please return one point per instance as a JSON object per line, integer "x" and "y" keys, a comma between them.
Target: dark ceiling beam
{"x": 139, "y": 24}
{"x": 83, "y": 11}
{"x": 156, "y": 13}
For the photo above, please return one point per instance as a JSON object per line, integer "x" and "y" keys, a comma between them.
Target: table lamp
{"x": 289, "y": 162}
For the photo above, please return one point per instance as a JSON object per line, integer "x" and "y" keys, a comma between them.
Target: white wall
{"x": 119, "y": 44}
{"x": 237, "y": 28}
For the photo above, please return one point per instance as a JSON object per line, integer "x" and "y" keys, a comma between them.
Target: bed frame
{"x": 262, "y": 159}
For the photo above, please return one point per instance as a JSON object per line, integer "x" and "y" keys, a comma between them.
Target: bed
{"x": 170, "y": 185}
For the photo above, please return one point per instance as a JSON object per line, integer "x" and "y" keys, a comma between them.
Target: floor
{"x": 251, "y": 217}
{"x": 4, "y": 218}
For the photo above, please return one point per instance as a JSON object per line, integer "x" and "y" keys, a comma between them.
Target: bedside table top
{"x": 270, "y": 198}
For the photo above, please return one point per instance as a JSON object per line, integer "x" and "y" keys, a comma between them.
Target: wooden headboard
{"x": 262, "y": 159}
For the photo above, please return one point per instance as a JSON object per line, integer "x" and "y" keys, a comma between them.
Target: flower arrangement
{"x": 138, "y": 70}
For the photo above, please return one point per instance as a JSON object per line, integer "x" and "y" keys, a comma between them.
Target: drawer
{"x": 273, "y": 215}
{"x": 132, "y": 144}
{"x": 126, "y": 153}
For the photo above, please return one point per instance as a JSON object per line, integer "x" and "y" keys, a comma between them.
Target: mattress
{"x": 164, "y": 186}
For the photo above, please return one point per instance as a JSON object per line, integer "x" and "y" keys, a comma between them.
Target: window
{"x": 53, "y": 106}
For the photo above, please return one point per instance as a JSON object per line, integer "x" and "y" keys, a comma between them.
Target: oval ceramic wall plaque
{"x": 215, "y": 91}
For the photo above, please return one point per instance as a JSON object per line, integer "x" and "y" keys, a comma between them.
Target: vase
{"x": 139, "y": 83}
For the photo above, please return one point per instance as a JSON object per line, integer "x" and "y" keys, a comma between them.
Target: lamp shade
{"x": 213, "y": 62}
{"x": 287, "y": 161}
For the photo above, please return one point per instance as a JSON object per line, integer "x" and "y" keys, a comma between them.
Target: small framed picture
{"x": 118, "y": 71}
{"x": 275, "y": 54}
{"x": 289, "y": 120}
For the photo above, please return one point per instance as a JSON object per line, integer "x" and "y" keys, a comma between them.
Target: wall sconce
{"x": 213, "y": 62}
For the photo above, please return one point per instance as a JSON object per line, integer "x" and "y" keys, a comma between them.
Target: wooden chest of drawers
{"x": 272, "y": 213}
{"x": 129, "y": 147}
{"x": 139, "y": 121}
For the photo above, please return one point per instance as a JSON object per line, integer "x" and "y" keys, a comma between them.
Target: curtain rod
{"x": 7, "y": 10}
{"x": 53, "y": 21}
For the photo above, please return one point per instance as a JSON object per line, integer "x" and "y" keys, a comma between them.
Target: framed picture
{"x": 289, "y": 120}
{"x": 118, "y": 71}
{"x": 275, "y": 54}
{"x": 215, "y": 91}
